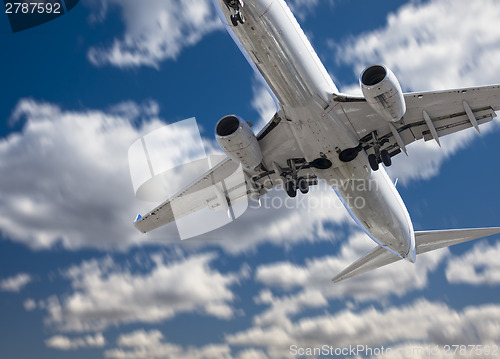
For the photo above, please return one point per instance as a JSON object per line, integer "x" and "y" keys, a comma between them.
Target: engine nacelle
{"x": 383, "y": 92}
{"x": 238, "y": 141}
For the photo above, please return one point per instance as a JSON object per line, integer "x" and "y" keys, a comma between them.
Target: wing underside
{"x": 429, "y": 115}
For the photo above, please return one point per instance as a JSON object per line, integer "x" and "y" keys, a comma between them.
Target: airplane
{"x": 319, "y": 133}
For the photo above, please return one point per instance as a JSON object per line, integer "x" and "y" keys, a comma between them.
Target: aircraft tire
{"x": 303, "y": 185}
{"x": 234, "y": 20}
{"x": 372, "y": 159}
{"x": 291, "y": 189}
{"x": 386, "y": 158}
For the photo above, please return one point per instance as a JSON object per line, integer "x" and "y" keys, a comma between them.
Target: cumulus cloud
{"x": 395, "y": 279}
{"x": 29, "y": 304}
{"x": 426, "y": 158}
{"x": 302, "y": 8}
{"x": 476, "y": 267}
{"x": 432, "y": 45}
{"x": 66, "y": 178}
{"x": 15, "y": 283}
{"x": 154, "y": 32}
{"x": 143, "y": 344}
{"x": 422, "y": 322}
{"x": 61, "y": 342}
{"x": 263, "y": 103}
{"x": 104, "y": 293}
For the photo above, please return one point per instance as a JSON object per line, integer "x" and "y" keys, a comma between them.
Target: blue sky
{"x": 77, "y": 281}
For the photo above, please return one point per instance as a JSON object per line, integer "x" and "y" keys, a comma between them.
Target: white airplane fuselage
{"x": 275, "y": 45}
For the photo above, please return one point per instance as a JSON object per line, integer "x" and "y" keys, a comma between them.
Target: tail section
{"x": 425, "y": 241}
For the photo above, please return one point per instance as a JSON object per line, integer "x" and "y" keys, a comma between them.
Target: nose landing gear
{"x": 236, "y": 6}
{"x": 294, "y": 182}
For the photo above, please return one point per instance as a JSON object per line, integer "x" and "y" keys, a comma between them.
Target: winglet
{"x": 138, "y": 217}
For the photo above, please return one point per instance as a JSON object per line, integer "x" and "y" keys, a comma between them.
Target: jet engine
{"x": 382, "y": 91}
{"x": 238, "y": 141}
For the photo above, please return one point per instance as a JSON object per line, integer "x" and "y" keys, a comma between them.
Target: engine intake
{"x": 227, "y": 126}
{"x": 238, "y": 141}
{"x": 382, "y": 91}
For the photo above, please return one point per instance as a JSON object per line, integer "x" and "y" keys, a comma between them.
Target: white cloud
{"x": 61, "y": 342}
{"x": 65, "y": 176}
{"x": 284, "y": 307}
{"x": 252, "y": 354}
{"x": 302, "y": 8}
{"x": 479, "y": 266}
{"x": 151, "y": 345}
{"x": 105, "y": 294}
{"x": 432, "y": 45}
{"x": 313, "y": 279}
{"x": 395, "y": 279}
{"x": 422, "y": 322}
{"x": 426, "y": 158}
{"x": 154, "y": 32}
{"x": 29, "y": 304}
{"x": 263, "y": 103}
{"x": 15, "y": 283}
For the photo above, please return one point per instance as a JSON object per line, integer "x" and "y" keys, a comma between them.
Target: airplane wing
{"x": 227, "y": 183}
{"x": 219, "y": 187}
{"x": 424, "y": 242}
{"x": 429, "y": 115}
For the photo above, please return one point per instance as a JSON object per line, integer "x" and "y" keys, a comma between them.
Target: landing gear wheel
{"x": 240, "y": 18}
{"x": 291, "y": 189}
{"x": 234, "y": 20}
{"x": 386, "y": 158}
{"x": 303, "y": 185}
{"x": 373, "y": 162}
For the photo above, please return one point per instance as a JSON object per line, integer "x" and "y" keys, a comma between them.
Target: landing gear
{"x": 386, "y": 158}
{"x": 372, "y": 159}
{"x": 237, "y": 17}
{"x": 240, "y": 18}
{"x": 370, "y": 141}
{"x": 291, "y": 189}
{"x": 303, "y": 185}
{"x": 234, "y": 21}
{"x": 290, "y": 175}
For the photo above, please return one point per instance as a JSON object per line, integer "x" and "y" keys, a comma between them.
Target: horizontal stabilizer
{"x": 425, "y": 241}
{"x": 376, "y": 258}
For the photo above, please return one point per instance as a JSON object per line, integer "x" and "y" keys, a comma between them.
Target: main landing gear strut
{"x": 294, "y": 182}
{"x": 236, "y": 6}
{"x": 374, "y": 159}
